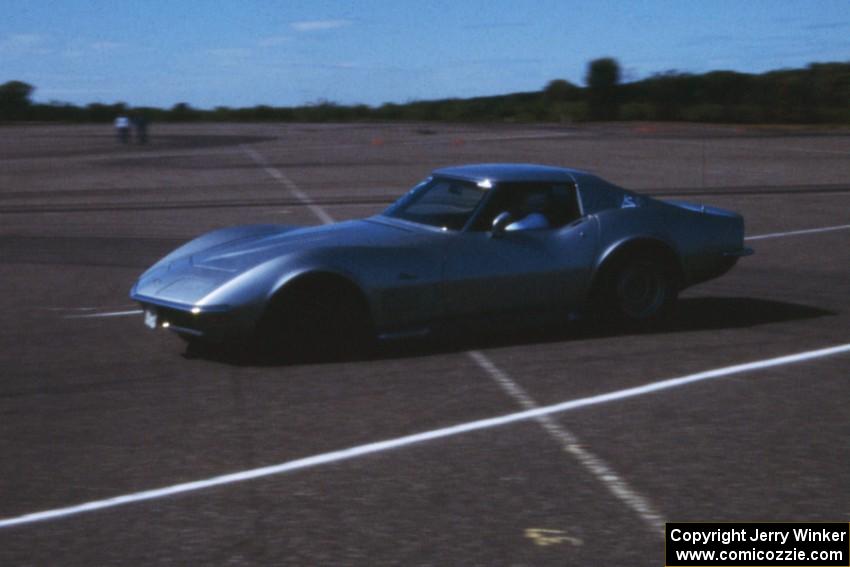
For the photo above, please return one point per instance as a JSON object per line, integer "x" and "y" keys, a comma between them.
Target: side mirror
{"x": 501, "y": 221}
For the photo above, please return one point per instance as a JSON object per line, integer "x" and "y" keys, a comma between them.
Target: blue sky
{"x": 247, "y": 52}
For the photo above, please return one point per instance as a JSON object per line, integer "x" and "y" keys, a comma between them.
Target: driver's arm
{"x": 533, "y": 221}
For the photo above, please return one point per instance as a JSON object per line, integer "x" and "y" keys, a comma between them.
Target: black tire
{"x": 316, "y": 324}
{"x": 638, "y": 292}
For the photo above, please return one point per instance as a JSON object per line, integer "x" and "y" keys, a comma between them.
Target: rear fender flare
{"x": 628, "y": 247}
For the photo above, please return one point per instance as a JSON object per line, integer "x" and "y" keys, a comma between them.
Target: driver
{"x": 531, "y": 213}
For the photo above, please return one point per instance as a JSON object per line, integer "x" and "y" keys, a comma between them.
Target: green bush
{"x": 637, "y": 111}
{"x": 706, "y": 112}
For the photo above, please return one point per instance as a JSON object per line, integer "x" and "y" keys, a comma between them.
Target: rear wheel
{"x": 638, "y": 291}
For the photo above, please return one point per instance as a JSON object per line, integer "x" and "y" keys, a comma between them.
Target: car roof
{"x": 510, "y": 172}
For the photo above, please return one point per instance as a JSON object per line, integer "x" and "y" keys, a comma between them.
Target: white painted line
{"x": 408, "y": 440}
{"x": 275, "y": 173}
{"x": 569, "y": 442}
{"x": 795, "y": 232}
{"x": 106, "y": 314}
{"x": 101, "y": 308}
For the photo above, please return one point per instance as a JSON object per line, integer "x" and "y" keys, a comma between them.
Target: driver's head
{"x": 534, "y": 202}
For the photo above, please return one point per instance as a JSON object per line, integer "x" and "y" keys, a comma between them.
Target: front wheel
{"x": 315, "y": 324}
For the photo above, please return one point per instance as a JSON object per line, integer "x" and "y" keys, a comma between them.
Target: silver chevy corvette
{"x": 482, "y": 243}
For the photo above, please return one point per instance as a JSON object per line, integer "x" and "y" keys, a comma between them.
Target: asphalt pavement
{"x": 94, "y": 406}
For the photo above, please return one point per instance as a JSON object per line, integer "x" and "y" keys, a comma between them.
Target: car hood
{"x": 241, "y": 254}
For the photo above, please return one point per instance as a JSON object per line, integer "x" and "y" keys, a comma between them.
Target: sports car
{"x": 486, "y": 242}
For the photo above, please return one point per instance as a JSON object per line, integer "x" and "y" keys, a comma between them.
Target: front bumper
{"x": 211, "y": 322}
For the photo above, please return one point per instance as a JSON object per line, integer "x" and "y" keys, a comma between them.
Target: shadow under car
{"x": 691, "y": 314}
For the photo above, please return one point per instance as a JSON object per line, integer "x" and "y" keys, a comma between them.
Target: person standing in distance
{"x": 122, "y": 128}
{"x": 140, "y": 125}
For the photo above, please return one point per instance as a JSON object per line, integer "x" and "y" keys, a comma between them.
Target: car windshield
{"x": 446, "y": 203}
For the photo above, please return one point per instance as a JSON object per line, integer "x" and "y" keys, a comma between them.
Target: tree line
{"x": 818, "y": 93}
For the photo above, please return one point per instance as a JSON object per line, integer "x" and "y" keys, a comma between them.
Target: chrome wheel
{"x": 635, "y": 292}
{"x": 642, "y": 290}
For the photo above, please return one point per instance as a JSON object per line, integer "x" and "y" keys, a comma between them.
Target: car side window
{"x": 555, "y": 202}
{"x": 563, "y": 205}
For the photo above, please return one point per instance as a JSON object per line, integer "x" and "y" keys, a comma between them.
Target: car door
{"x": 520, "y": 271}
